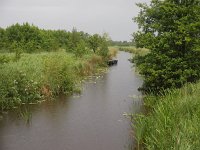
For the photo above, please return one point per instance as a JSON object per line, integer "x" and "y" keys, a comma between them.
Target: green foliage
{"x": 59, "y": 76}
{"x": 74, "y": 40}
{"x": 30, "y": 39}
{"x": 170, "y": 29}
{"x": 2, "y": 39}
{"x": 5, "y": 58}
{"x": 34, "y": 77}
{"x": 16, "y": 88}
{"x": 26, "y": 36}
{"x": 26, "y": 114}
{"x": 121, "y": 43}
{"x": 94, "y": 42}
{"x": 80, "y": 49}
{"x": 103, "y": 50}
{"x": 27, "y": 78}
{"x": 173, "y": 122}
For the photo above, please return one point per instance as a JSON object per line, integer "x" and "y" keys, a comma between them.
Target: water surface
{"x": 93, "y": 121}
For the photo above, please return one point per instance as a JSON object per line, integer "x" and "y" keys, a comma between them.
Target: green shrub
{"x": 103, "y": 50}
{"x": 170, "y": 29}
{"x": 17, "y": 88}
{"x": 162, "y": 72}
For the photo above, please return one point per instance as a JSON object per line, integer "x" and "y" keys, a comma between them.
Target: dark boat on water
{"x": 112, "y": 62}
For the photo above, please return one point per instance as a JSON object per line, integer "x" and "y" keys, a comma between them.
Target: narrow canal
{"x": 92, "y": 121}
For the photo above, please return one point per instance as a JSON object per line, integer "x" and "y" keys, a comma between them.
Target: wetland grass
{"x": 39, "y": 76}
{"x": 173, "y": 121}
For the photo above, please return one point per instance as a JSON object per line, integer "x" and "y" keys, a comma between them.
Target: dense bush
{"x": 17, "y": 87}
{"x": 170, "y": 29}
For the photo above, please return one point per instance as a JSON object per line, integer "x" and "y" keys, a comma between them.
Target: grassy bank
{"x": 172, "y": 117}
{"x": 173, "y": 121}
{"x": 134, "y": 50}
{"x": 35, "y": 77}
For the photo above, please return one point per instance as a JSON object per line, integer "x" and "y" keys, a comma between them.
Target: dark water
{"x": 93, "y": 121}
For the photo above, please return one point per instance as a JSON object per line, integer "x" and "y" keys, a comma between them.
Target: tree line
{"x": 30, "y": 39}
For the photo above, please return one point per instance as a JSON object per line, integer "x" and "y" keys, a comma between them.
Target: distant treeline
{"x": 121, "y": 43}
{"x": 29, "y": 38}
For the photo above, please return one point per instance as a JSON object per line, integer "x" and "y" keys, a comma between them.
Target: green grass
{"x": 173, "y": 120}
{"x": 35, "y": 77}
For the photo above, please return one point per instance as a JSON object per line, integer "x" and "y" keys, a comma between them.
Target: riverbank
{"x": 135, "y": 51}
{"x": 37, "y": 77}
{"x": 173, "y": 120}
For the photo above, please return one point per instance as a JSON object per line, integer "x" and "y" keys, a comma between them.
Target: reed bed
{"x": 172, "y": 122}
{"x": 35, "y": 77}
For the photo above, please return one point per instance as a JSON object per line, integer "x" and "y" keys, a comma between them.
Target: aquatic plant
{"x": 26, "y": 115}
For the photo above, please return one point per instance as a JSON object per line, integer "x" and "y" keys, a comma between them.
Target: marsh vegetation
{"x": 37, "y": 64}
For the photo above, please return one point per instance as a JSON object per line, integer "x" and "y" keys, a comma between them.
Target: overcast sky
{"x": 92, "y": 16}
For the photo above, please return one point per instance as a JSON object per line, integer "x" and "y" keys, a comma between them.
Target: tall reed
{"x": 173, "y": 121}
{"x": 35, "y": 77}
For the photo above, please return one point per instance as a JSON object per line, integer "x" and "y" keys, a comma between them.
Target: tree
{"x": 74, "y": 39}
{"x": 107, "y": 37}
{"x": 80, "y": 49}
{"x": 32, "y": 39}
{"x": 2, "y": 38}
{"x": 103, "y": 50}
{"x": 94, "y": 42}
{"x": 26, "y": 35}
{"x": 171, "y": 30}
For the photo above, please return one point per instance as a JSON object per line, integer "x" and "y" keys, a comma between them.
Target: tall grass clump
{"x": 6, "y": 57}
{"x": 89, "y": 65}
{"x": 113, "y": 50}
{"x": 59, "y": 76}
{"x": 173, "y": 121}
